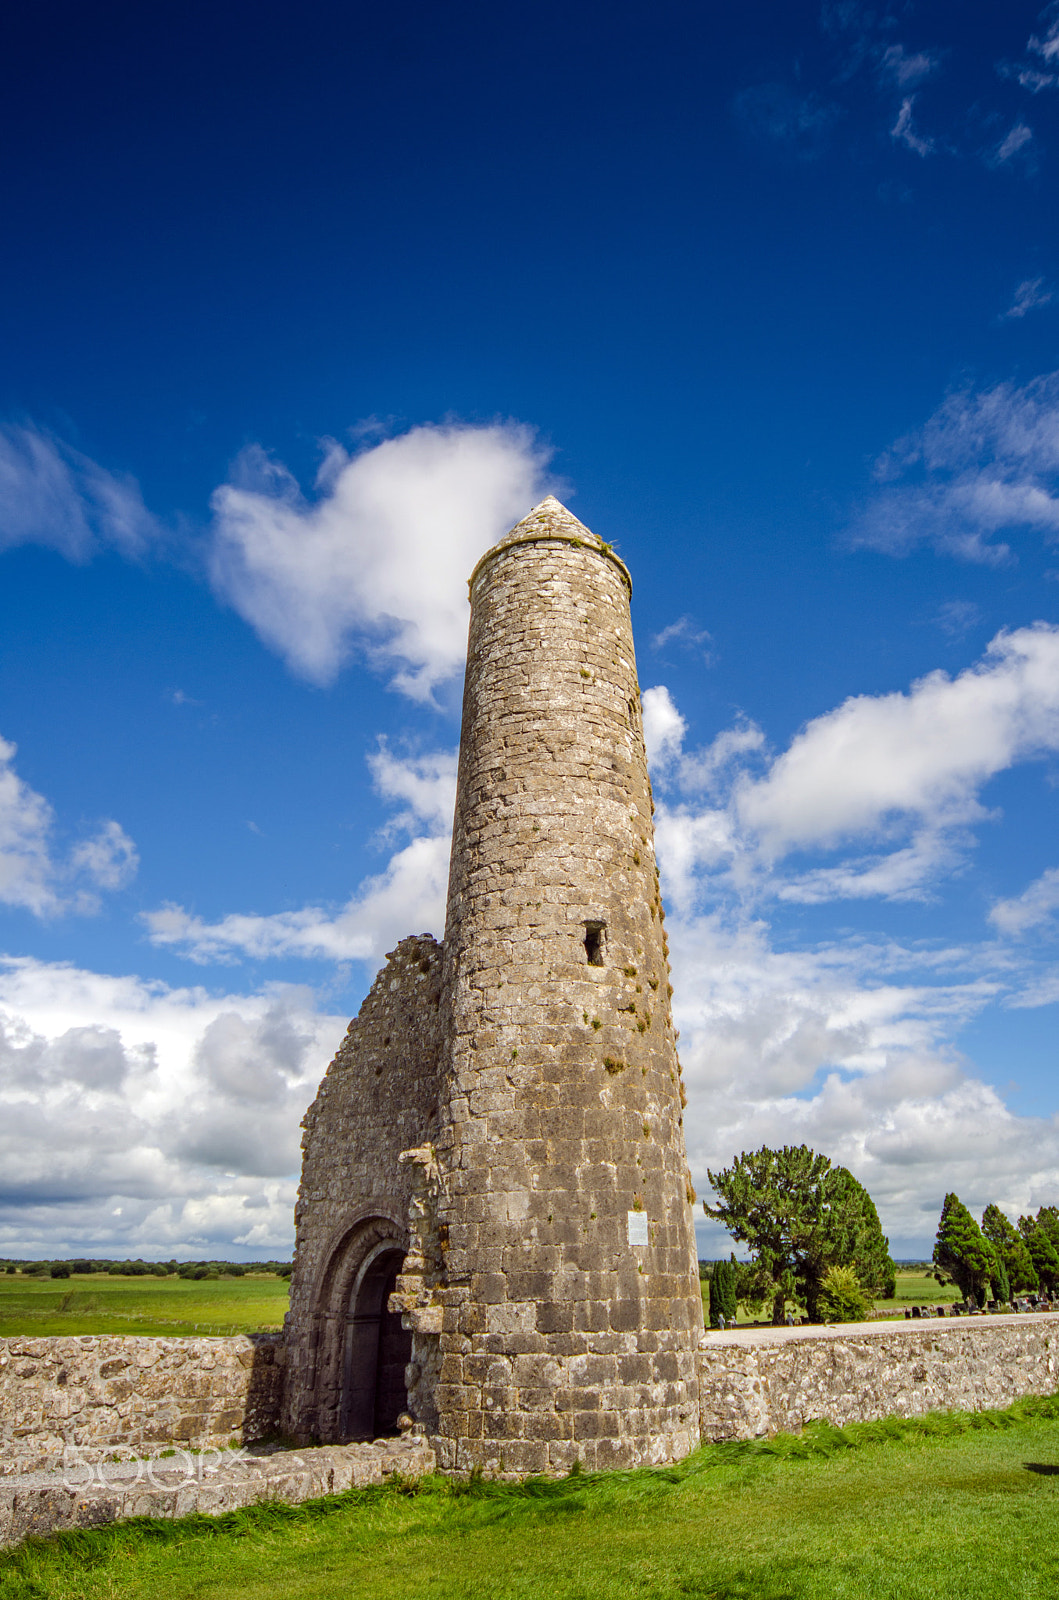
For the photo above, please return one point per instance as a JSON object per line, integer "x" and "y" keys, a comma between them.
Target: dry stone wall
{"x": 559, "y": 1302}
{"x": 83, "y": 1399}
{"x": 756, "y": 1384}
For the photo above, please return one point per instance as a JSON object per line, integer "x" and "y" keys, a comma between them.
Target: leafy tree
{"x": 1045, "y": 1257}
{"x": 723, "y": 1292}
{"x": 60, "y": 1269}
{"x": 842, "y": 1297}
{"x": 961, "y": 1254}
{"x": 800, "y": 1216}
{"x": 1011, "y": 1249}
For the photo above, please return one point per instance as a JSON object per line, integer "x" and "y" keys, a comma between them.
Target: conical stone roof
{"x": 551, "y": 520}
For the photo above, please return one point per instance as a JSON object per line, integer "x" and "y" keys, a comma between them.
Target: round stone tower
{"x": 552, "y": 1285}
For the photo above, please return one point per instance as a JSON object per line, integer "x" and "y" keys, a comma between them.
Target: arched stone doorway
{"x": 376, "y": 1349}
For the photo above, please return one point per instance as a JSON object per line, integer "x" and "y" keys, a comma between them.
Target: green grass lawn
{"x": 96, "y": 1303}
{"x": 944, "y": 1508}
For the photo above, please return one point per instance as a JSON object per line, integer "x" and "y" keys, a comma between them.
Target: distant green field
{"x": 919, "y": 1287}
{"x": 96, "y": 1303}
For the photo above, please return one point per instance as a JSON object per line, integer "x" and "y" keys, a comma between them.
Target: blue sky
{"x": 299, "y": 311}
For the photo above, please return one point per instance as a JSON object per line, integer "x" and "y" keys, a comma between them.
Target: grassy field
{"x": 96, "y": 1303}
{"x": 943, "y": 1508}
{"x": 918, "y": 1287}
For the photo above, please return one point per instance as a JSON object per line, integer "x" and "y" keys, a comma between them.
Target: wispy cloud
{"x": 684, "y": 633}
{"x": 986, "y": 462}
{"x": 1047, "y": 46}
{"x": 903, "y": 130}
{"x": 52, "y": 495}
{"x": 34, "y": 873}
{"x": 1016, "y": 142}
{"x": 1033, "y": 908}
{"x": 377, "y": 560}
{"x": 955, "y": 617}
{"x": 1030, "y": 295}
{"x": 906, "y": 69}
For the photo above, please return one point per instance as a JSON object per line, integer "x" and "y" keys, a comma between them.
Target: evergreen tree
{"x": 1043, "y": 1253}
{"x": 1000, "y": 1280}
{"x": 723, "y": 1298}
{"x": 961, "y": 1254}
{"x": 1010, "y": 1246}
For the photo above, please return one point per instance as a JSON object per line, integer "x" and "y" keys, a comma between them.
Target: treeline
{"x": 997, "y": 1259}
{"x": 82, "y": 1265}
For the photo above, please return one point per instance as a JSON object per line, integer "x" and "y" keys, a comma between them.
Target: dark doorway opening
{"x": 377, "y": 1351}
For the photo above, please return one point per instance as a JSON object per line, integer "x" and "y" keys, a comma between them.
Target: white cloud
{"x": 1034, "y": 907}
{"x": 407, "y": 897}
{"x": 837, "y": 1048}
{"x": 1030, "y": 295}
{"x": 52, "y": 495}
{"x": 985, "y": 462}
{"x": 109, "y": 858}
{"x": 891, "y": 781}
{"x": 144, "y": 1119}
{"x": 32, "y": 875}
{"x": 922, "y": 755}
{"x": 378, "y": 561}
{"x": 905, "y": 133}
{"x": 663, "y": 726}
{"x": 427, "y": 785}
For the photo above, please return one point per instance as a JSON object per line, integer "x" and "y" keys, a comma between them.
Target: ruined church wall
{"x": 83, "y": 1399}
{"x": 378, "y": 1098}
{"x": 558, "y": 1339}
{"x": 753, "y": 1386}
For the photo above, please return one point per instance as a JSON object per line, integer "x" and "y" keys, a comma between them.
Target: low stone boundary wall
{"x": 44, "y": 1503}
{"x": 758, "y": 1382}
{"x": 89, "y": 1397}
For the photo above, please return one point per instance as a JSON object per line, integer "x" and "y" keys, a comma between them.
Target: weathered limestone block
{"x": 378, "y": 1099}
{"x": 97, "y": 1394}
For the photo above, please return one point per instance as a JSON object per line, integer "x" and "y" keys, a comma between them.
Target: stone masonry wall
{"x": 379, "y": 1097}
{"x": 94, "y": 1396}
{"x": 557, "y": 1337}
{"x": 757, "y": 1384}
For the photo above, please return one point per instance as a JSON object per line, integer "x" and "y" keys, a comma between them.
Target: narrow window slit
{"x": 595, "y": 942}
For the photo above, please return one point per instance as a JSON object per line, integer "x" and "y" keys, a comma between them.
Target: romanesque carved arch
{"x": 352, "y": 1330}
